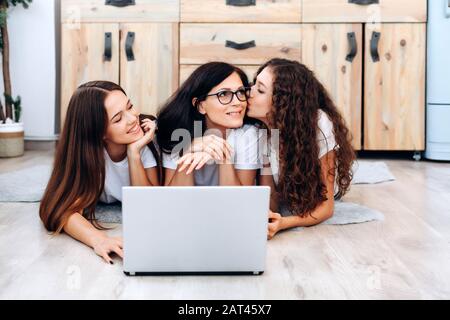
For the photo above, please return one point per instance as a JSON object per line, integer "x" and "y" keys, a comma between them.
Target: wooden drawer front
{"x": 186, "y": 71}
{"x": 200, "y": 43}
{"x": 73, "y": 11}
{"x": 253, "y": 11}
{"x": 384, "y": 11}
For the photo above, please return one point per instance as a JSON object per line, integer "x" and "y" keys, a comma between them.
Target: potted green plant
{"x": 11, "y": 129}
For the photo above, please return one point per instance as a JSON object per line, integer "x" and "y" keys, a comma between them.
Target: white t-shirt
{"x": 244, "y": 142}
{"x": 117, "y": 175}
{"x": 325, "y": 139}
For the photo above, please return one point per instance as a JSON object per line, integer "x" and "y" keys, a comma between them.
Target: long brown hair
{"x": 297, "y": 98}
{"x": 78, "y": 175}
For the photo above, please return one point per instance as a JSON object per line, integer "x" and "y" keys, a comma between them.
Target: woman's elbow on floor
{"x": 328, "y": 213}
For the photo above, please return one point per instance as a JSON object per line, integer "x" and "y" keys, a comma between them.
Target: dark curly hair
{"x": 297, "y": 98}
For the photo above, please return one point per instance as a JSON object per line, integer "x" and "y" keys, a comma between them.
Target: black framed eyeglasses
{"x": 226, "y": 96}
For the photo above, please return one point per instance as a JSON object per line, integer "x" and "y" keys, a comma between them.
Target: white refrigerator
{"x": 438, "y": 80}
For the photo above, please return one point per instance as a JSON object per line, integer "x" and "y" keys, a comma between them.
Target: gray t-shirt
{"x": 244, "y": 142}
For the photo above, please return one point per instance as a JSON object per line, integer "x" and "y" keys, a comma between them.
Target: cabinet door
{"x": 84, "y": 48}
{"x": 149, "y": 63}
{"x": 334, "y": 53}
{"x": 394, "y": 102}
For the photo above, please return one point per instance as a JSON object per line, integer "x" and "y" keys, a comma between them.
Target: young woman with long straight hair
{"x": 220, "y": 148}
{"x": 313, "y": 160}
{"x": 102, "y": 147}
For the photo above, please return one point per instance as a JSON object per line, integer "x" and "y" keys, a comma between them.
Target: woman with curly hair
{"x": 311, "y": 164}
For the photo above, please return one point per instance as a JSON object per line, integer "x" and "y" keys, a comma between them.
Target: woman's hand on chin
{"x": 104, "y": 246}
{"x": 149, "y": 127}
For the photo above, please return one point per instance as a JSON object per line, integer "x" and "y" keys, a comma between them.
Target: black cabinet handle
{"x": 108, "y": 46}
{"x": 374, "y": 46}
{"x": 241, "y": 3}
{"x": 129, "y": 46}
{"x": 351, "y": 36}
{"x": 240, "y": 46}
{"x": 364, "y": 2}
{"x": 120, "y": 3}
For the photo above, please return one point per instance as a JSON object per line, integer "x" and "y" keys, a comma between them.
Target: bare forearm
{"x": 322, "y": 213}
{"x": 274, "y": 203}
{"x": 175, "y": 178}
{"x": 266, "y": 179}
{"x": 138, "y": 176}
{"x": 82, "y": 230}
{"x": 228, "y": 176}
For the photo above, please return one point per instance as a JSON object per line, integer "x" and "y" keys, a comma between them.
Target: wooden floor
{"x": 407, "y": 256}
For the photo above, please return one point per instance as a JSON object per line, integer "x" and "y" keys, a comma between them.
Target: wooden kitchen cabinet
{"x": 394, "y": 86}
{"x": 82, "y": 55}
{"x": 382, "y": 100}
{"x": 268, "y": 11}
{"x": 149, "y": 76}
{"x": 364, "y": 11}
{"x": 334, "y": 52}
{"x": 152, "y": 76}
{"x": 246, "y": 33}
{"x": 134, "y": 45}
{"x": 242, "y": 44}
{"x": 330, "y": 38}
{"x": 134, "y": 11}
{"x": 394, "y": 101}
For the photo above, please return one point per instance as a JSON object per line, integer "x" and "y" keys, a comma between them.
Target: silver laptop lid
{"x": 195, "y": 229}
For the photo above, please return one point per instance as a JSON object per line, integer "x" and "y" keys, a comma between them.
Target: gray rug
{"x": 28, "y": 185}
{"x": 371, "y": 172}
{"x": 109, "y": 213}
{"x": 349, "y": 213}
{"x": 344, "y": 213}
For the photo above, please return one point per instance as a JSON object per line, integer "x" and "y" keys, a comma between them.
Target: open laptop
{"x": 195, "y": 230}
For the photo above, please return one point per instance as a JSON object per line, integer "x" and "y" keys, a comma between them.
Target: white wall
{"x": 33, "y": 67}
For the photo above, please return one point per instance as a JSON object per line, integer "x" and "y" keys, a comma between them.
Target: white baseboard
{"x": 42, "y": 138}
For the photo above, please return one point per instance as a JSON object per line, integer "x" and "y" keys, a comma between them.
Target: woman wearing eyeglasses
{"x": 203, "y": 133}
